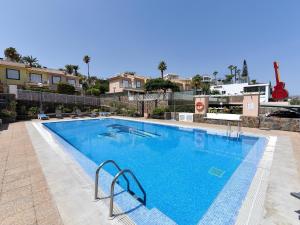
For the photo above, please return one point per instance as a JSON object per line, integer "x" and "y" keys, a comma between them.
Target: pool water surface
{"x": 182, "y": 170}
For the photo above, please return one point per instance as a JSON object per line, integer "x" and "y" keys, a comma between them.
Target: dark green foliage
{"x": 245, "y": 70}
{"x": 64, "y": 88}
{"x": 295, "y": 101}
{"x": 93, "y": 91}
{"x": 162, "y": 66}
{"x": 160, "y": 84}
{"x": 12, "y": 54}
{"x": 197, "y": 81}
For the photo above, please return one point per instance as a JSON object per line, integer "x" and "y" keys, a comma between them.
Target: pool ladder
{"x": 114, "y": 181}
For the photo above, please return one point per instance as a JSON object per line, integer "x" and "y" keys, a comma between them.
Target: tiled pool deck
{"x": 24, "y": 195}
{"x": 35, "y": 204}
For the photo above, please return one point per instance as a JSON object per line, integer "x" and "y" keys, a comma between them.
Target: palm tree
{"x": 162, "y": 66}
{"x": 76, "y": 68}
{"x": 69, "y": 69}
{"x": 31, "y": 61}
{"x": 235, "y": 69}
{"x": 12, "y": 54}
{"x": 197, "y": 81}
{"x": 231, "y": 68}
{"x": 87, "y": 59}
{"x": 215, "y": 76}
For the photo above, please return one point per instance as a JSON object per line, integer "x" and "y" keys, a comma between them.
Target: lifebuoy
{"x": 199, "y": 106}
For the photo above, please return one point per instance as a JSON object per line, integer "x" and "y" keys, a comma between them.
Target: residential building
{"x": 185, "y": 84}
{"x": 130, "y": 83}
{"x": 22, "y": 75}
{"x": 241, "y": 88}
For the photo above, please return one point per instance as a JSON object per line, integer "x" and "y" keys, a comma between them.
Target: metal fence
{"x": 57, "y": 98}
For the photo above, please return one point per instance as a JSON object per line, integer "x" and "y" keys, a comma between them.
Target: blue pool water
{"x": 182, "y": 170}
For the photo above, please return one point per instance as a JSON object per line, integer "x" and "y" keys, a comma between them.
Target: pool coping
{"x": 255, "y": 187}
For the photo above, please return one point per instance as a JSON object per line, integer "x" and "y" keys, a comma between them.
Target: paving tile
{"x": 52, "y": 219}
{"x": 16, "y": 184}
{"x": 16, "y": 176}
{"x": 26, "y": 217}
{"x": 16, "y": 194}
{"x": 19, "y": 169}
{"x": 42, "y": 196}
{"x": 44, "y": 210}
{"x": 39, "y": 186}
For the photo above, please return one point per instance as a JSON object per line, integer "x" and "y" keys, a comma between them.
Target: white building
{"x": 238, "y": 89}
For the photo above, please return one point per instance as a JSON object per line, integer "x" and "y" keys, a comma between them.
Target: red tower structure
{"x": 279, "y": 92}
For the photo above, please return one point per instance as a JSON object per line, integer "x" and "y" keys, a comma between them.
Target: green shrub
{"x": 159, "y": 111}
{"x": 64, "y": 88}
{"x": 93, "y": 91}
{"x": 33, "y": 111}
{"x": 67, "y": 110}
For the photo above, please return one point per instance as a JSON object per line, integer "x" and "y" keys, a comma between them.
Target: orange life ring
{"x": 199, "y": 106}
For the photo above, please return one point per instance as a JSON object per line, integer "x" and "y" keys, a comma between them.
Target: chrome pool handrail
{"x": 113, "y": 188}
{"x": 97, "y": 175}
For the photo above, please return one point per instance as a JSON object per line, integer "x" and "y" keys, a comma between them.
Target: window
{"x": 35, "y": 78}
{"x": 125, "y": 83}
{"x": 72, "y": 82}
{"x": 223, "y": 92}
{"x": 138, "y": 84}
{"x": 56, "y": 79}
{"x": 13, "y": 74}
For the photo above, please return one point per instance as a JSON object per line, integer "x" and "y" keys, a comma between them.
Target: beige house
{"x": 22, "y": 75}
{"x": 185, "y": 84}
{"x": 127, "y": 82}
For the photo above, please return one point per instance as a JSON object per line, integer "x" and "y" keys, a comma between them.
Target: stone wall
{"x": 274, "y": 123}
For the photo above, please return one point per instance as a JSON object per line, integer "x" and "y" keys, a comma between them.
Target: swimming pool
{"x": 182, "y": 170}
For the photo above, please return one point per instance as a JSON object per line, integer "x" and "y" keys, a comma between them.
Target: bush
{"x": 93, "y": 91}
{"x": 159, "y": 111}
{"x": 64, "y": 88}
{"x": 33, "y": 111}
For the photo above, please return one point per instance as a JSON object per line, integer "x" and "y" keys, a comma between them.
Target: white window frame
{"x": 138, "y": 82}
{"x": 34, "y": 81}
{"x": 13, "y": 78}
{"x": 124, "y": 84}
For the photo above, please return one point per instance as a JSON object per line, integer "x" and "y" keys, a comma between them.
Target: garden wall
{"x": 273, "y": 123}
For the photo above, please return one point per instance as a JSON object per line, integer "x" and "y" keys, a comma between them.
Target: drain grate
{"x": 216, "y": 172}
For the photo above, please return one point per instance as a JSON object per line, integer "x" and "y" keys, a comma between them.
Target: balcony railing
{"x": 57, "y": 98}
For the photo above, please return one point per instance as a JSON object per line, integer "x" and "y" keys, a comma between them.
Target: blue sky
{"x": 198, "y": 36}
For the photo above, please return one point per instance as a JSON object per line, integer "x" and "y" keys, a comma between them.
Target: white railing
{"x": 56, "y": 98}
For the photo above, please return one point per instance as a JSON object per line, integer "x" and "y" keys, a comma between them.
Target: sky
{"x": 191, "y": 36}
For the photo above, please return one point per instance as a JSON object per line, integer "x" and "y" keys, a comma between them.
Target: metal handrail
{"x": 113, "y": 188}
{"x": 97, "y": 175}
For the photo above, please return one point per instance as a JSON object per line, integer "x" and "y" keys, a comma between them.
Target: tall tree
{"x": 245, "y": 75}
{"x": 235, "y": 73}
{"x": 31, "y": 61}
{"x": 162, "y": 66}
{"x": 231, "y": 68}
{"x": 228, "y": 78}
{"x": 197, "y": 81}
{"x": 12, "y": 54}
{"x": 76, "y": 68}
{"x": 86, "y": 60}
{"x": 69, "y": 69}
{"x": 215, "y": 73}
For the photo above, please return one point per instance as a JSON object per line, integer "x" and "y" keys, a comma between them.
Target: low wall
{"x": 273, "y": 123}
